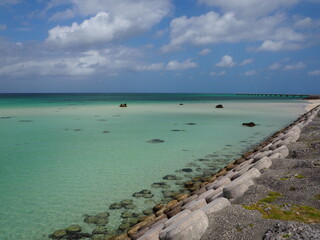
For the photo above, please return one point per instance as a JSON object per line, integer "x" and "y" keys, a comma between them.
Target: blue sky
{"x": 211, "y": 46}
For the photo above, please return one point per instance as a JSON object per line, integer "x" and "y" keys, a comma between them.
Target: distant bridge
{"x": 273, "y": 95}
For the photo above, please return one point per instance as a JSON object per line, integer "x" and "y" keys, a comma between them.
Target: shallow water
{"x": 63, "y": 156}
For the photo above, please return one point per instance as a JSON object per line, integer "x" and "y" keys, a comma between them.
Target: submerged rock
{"x": 123, "y": 105}
{"x": 171, "y": 177}
{"x": 250, "y": 124}
{"x": 187, "y": 170}
{"x": 58, "y": 234}
{"x": 160, "y": 185}
{"x": 100, "y": 230}
{"x": 73, "y": 229}
{"x": 219, "y": 106}
{"x": 156, "y": 140}
{"x": 143, "y": 194}
{"x": 191, "y": 123}
{"x": 100, "y": 219}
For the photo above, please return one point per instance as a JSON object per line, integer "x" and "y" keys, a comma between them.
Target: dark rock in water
{"x": 129, "y": 214}
{"x": 178, "y": 130}
{"x": 143, "y": 194}
{"x": 77, "y": 130}
{"x": 124, "y": 227}
{"x": 203, "y": 160}
{"x": 73, "y": 229}
{"x": 123, "y": 105}
{"x": 156, "y": 140}
{"x": 115, "y": 206}
{"x": 5, "y": 117}
{"x": 58, "y": 234}
{"x": 130, "y": 206}
{"x": 191, "y": 123}
{"x": 169, "y": 193}
{"x": 102, "y": 120}
{"x": 187, "y": 170}
{"x": 160, "y": 185}
{"x": 219, "y": 106}
{"x": 106, "y": 132}
{"x": 171, "y": 177}
{"x": 100, "y": 219}
{"x": 100, "y": 230}
{"x": 126, "y": 201}
{"x": 148, "y": 212}
{"x": 250, "y": 124}
{"x": 26, "y": 121}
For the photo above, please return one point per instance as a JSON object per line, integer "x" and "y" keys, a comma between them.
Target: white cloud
{"x": 204, "y": 52}
{"x": 175, "y": 65}
{"x": 226, "y": 61}
{"x": 250, "y": 8}
{"x": 314, "y": 73}
{"x": 211, "y": 28}
{"x": 29, "y": 61}
{"x": 297, "y": 66}
{"x": 151, "y": 67}
{"x": 111, "y": 21}
{"x": 275, "y": 66}
{"x": 250, "y": 73}
{"x": 3, "y": 27}
{"x": 303, "y": 23}
{"x": 246, "y": 62}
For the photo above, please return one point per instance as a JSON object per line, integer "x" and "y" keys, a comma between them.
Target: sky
{"x": 194, "y": 46}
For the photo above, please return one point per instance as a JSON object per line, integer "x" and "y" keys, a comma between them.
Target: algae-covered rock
{"x": 73, "y": 229}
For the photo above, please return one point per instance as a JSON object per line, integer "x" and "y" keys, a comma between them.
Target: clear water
{"x": 57, "y": 162}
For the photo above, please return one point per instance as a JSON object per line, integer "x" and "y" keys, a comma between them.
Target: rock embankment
{"x": 189, "y": 217}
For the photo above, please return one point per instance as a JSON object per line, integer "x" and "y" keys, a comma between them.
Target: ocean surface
{"x": 63, "y": 156}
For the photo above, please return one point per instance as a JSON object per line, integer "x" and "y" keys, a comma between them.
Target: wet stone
{"x": 99, "y": 219}
{"x": 126, "y": 201}
{"x": 156, "y": 140}
{"x": 77, "y": 130}
{"x": 106, "y": 132}
{"x": 178, "y": 130}
{"x": 171, "y": 177}
{"x": 128, "y": 214}
{"x": 26, "y": 121}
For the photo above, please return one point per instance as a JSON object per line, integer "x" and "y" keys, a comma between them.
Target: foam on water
{"x": 60, "y": 161}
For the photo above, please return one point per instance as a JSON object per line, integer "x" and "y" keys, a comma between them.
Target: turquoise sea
{"x": 66, "y": 155}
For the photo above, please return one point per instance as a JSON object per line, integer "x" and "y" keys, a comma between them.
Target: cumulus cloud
{"x": 22, "y": 60}
{"x": 226, "y": 61}
{"x": 111, "y": 21}
{"x": 211, "y": 28}
{"x": 250, "y": 73}
{"x": 204, "y": 52}
{"x": 246, "y": 62}
{"x": 250, "y": 8}
{"x": 150, "y": 67}
{"x": 175, "y": 65}
{"x": 314, "y": 73}
{"x": 275, "y": 66}
{"x": 297, "y": 66}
